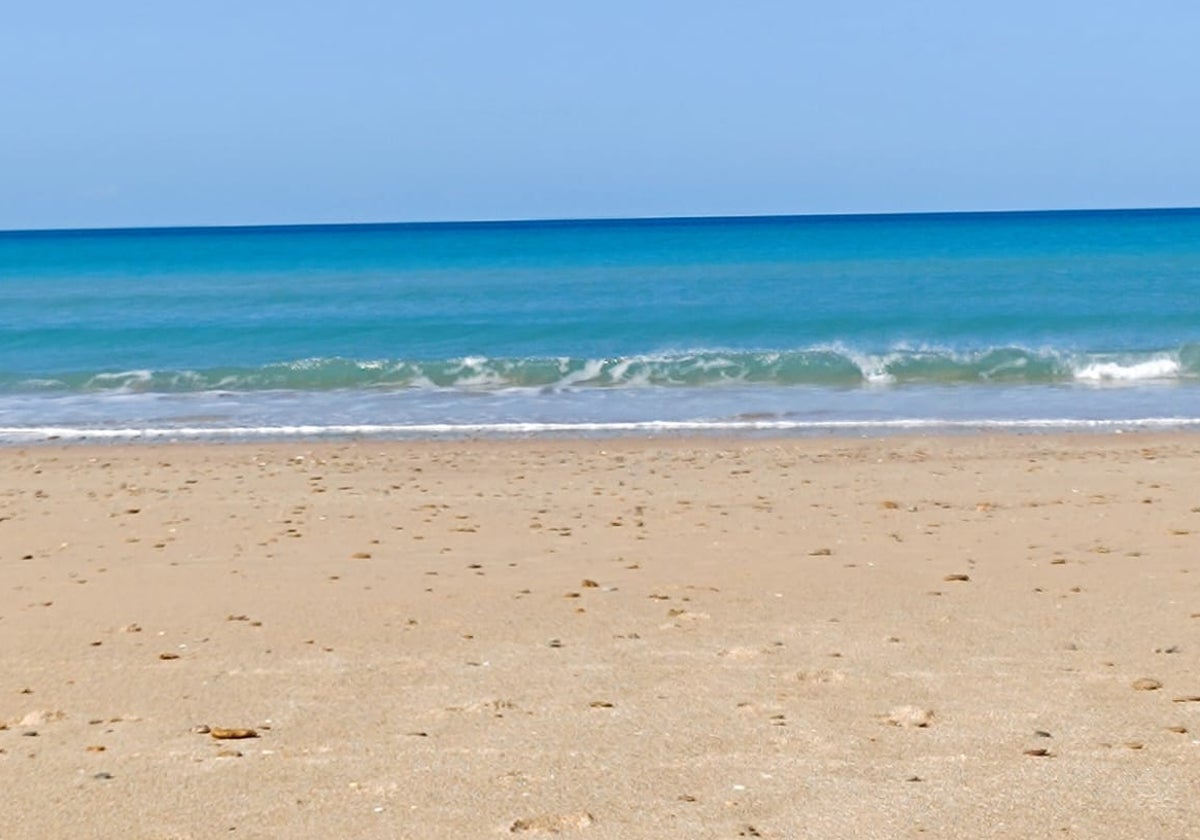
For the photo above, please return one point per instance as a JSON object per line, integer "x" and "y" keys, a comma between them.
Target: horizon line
{"x": 600, "y": 220}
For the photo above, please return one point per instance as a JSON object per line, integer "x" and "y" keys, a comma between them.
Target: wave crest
{"x": 832, "y": 366}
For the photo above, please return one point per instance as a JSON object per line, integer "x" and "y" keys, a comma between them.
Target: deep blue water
{"x": 866, "y": 322}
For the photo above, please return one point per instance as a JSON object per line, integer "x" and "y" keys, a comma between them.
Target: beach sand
{"x": 969, "y": 636}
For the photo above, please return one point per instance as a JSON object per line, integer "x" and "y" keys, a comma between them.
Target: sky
{"x": 128, "y": 114}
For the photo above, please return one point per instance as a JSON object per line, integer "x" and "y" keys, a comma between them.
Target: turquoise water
{"x": 788, "y": 323}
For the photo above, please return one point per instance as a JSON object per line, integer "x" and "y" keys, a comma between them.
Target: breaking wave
{"x": 833, "y": 366}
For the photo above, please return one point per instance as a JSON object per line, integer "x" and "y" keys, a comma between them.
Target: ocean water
{"x": 859, "y": 324}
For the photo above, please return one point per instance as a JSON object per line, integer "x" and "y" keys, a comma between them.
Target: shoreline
{"x": 997, "y": 444}
{"x": 532, "y": 432}
{"x": 938, "y": 636}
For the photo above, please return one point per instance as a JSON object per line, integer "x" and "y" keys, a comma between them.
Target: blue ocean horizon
{"x": 797, "y": 324}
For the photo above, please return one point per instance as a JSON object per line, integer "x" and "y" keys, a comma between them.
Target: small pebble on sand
{"x": 232, "y": 734}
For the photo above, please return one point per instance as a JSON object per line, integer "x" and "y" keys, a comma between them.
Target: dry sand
{"x": 912, "y": 637}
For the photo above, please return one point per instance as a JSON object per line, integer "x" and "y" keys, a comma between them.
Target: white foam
{"x": 121, "y": 381}
{"x": 311, "y": 363}
{"x": 872, "y": 368}
{"x": 477, "y": 372}
{"x": 592, "y": 369}
{"x": 21, "y": 434}
{"x": 480, "y": 379}
{"x": 1160, "y": 368}
{"x": 420, "y": 380}
{"x": 634, "y": 371}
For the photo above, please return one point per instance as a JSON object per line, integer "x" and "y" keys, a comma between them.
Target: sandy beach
{"x": 910, "y": 637}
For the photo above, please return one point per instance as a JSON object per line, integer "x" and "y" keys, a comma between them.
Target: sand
{"x": 911, "y": 637}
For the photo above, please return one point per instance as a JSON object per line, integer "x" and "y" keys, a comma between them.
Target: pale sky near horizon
{"x": 145, "y": 114}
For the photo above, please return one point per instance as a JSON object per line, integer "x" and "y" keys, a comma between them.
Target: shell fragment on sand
{"x": 232, "y": 734}
{"x": 42, "y": 717}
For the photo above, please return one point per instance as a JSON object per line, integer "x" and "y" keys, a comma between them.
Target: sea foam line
{"x": 16, "y": 434}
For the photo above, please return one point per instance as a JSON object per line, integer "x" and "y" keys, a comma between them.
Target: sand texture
{"x": 913, "y": 637}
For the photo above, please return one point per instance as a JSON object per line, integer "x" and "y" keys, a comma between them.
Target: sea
{"x": 804, "y": 325}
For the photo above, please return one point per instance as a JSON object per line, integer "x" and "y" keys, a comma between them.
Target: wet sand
{"x": 911, "y": 637}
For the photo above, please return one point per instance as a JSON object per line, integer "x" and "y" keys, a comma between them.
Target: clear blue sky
{"x": 123, "y": 113}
